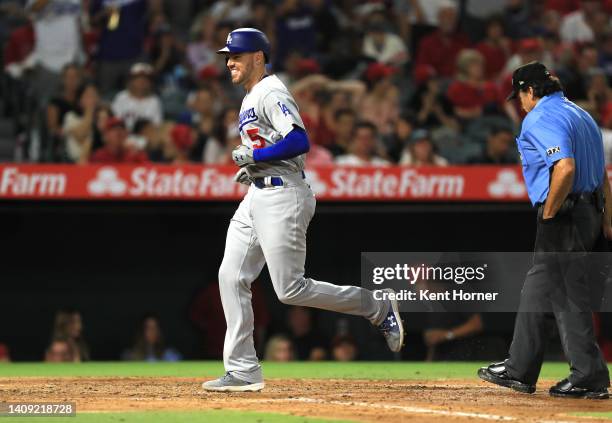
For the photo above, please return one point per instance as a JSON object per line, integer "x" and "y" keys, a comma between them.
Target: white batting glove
{"x": 242, "y": 156}
{"x": 243, "y": 176}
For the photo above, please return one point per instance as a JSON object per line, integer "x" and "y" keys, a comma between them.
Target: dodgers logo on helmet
{"x": 229, "y": 39}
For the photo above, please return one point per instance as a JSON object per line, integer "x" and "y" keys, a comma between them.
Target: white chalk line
{"x": 404, "y": 408}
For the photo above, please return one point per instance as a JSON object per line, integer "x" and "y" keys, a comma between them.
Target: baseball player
{"x": 269, "y": 226}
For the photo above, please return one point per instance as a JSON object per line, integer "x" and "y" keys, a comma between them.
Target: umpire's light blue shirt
{"x": 556, "y": 129}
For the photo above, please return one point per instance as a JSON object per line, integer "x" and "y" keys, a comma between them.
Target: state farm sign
{"x": 164, "y": 182}
{"x": 210, "y": 183}
{"x": 357, "y": 183}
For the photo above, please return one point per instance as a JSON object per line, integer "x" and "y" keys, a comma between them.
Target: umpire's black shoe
{"x": 565, "y": 389}
{"x": 496, "y": 373}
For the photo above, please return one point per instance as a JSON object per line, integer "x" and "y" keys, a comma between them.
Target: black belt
{"x": 275, "y": 181}
{"x": 583, "y": 197}
{"x": 579, "y": 197}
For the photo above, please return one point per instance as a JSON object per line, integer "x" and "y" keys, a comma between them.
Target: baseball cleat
{"x": 392, "y": 327}
{"x": 496, "y": 373}
{"x": 229, "y": 383}
{"x": 565, "y": 389}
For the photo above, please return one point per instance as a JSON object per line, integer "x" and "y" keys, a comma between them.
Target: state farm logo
{"x": 317, "y": 185}
{"x": 165, "y": 182}
{"x": 507, "y": 184}
{"x": 107, "y": 182}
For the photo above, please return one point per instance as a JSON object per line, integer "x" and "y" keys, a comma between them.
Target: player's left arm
{"x": 292, "y": 145}
{"x": 282, "y": 113}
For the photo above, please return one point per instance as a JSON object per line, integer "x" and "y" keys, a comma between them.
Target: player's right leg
{"x": 281, "y": 218}
{"x": 242, "y": 262}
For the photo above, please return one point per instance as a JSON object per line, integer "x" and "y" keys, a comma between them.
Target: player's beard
{"x": 244, "y": 73}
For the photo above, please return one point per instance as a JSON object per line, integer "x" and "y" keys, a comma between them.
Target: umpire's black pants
{"x": 564, "y": 288}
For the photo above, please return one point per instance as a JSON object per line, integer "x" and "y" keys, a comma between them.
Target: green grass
{"x": 602, "y": 415}
{"x": 210, "y": 416}
{"x": 295, "y": 370}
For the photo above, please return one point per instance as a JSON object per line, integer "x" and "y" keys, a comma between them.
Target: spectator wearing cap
{"x": 529, "y": 50}
{"x": 138, "y": 100}
{"x": 298, "y": 67}
{"x": 421, "y": 151}
{"x": 381, "y": 104}
{"x": 57, "y": 35}
{"x": 577, "y": 26}
{"x": 121, "y": 44}
{"x": 497, "y": 149}
{"x": 496, "y": 48}
{"x": 381, "y": 45}
{"x": 363, "y": 148}
{"x": 441, "y": 48}
{"x": 432, "y": 107}
{"x": 470, "y": 93}
{"x": 182, "y": 139}
{"x": 115, "y": 148}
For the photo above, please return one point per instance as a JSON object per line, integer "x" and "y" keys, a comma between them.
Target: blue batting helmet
{"x": 246, "y": 40}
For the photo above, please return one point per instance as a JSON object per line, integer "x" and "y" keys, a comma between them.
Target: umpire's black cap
{"x": 531, "y": 72}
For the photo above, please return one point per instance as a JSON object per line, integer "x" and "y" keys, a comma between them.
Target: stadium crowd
{"x": 378, "y": 82}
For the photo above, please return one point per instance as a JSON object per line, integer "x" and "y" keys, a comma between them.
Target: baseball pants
{"x": 566, "y": 287}
{"x": 270, "y": 227}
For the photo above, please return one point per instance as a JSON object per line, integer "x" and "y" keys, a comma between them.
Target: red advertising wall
{"x": 215, "y": 183}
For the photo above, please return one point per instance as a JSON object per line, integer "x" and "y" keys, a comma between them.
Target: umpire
{"x": 563, "y": 166}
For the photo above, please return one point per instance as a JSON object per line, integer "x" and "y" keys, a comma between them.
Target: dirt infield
{"x": 360, "y": 400}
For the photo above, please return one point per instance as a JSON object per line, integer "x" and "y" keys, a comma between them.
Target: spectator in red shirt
{"x": 441, "y": 48}
{"x": 470, "y": 93}
{"x": 496, "y": 48}
{"x": 115, "y": 149}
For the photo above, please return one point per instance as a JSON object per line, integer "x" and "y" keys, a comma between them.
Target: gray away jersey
{"x": 267, "y": 115}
